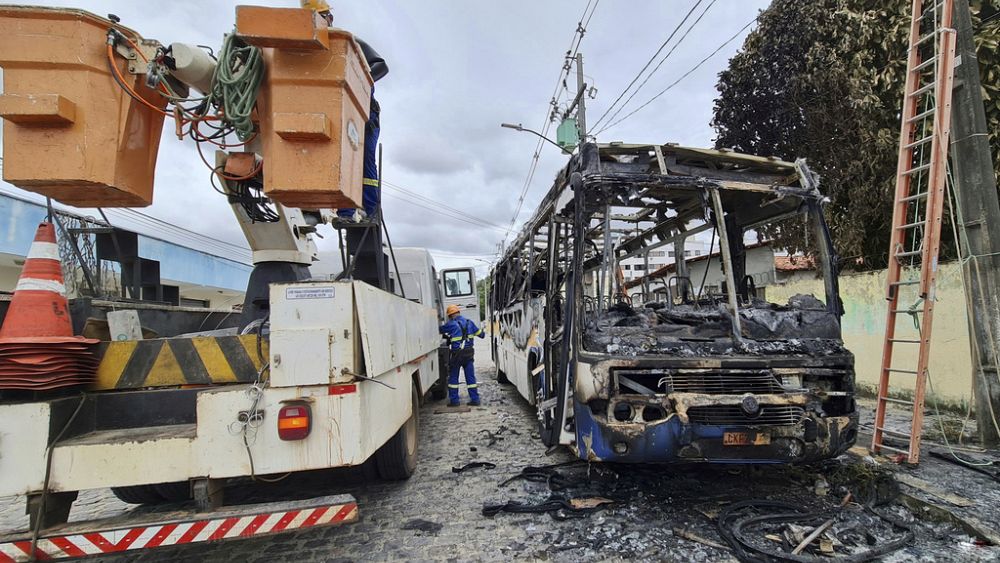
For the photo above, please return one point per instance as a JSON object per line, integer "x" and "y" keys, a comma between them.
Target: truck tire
{"x": 174, "y": 492}
{"x": 397, "y": 458}
{"x": 439, "y": 390}
{"x": 138, "y": 494}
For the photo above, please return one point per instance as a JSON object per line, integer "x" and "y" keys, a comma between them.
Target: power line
{"x": 445, "y": 211}
{"x": 581, "y": 29}
{"x": 663, "y": 60}
{"x": 426, "y": 199}
{"x": 434, "y": 209}
{"x": 685, "y": 75}
{"x": 646, "y": 66}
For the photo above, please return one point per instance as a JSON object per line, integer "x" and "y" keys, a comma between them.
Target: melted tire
{"x": 397, "y": 459}
{"x": 138, "y": 494}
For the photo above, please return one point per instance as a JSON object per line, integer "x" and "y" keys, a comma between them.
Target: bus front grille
{"x": 758, "y": 382}
{"x": 733, "y": 415}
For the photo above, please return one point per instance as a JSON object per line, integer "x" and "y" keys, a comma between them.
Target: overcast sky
{"x": 458, "y": 68}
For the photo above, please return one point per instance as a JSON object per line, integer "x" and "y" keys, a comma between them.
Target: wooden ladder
{"x": 916, "y": 219}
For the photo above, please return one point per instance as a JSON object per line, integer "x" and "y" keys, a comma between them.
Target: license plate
{"x": 745, "y": 439}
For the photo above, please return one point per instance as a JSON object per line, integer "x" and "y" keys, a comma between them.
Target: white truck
{"x": 326, "y": 373}
{"x": 418, "y": 280}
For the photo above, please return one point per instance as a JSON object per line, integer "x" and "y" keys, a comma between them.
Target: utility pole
{"x": 581, "y": 113}
{"x": 975, "y": 187}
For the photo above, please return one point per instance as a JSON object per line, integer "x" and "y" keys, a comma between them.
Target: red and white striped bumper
{"x": 118, "y": 535}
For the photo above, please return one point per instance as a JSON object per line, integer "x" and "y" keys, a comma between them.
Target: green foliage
{"x": 482, "y": 290}
{"x": 823, "y": 79}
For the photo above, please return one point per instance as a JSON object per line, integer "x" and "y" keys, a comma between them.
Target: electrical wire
{"x": 581, "y": 29}
{"x": 249, "y": 194}
{"x": 647, "y": 65}
{"x": 439, "y": 211}
{"x": 40, "y": 512}
{"x": 413, "y": 194}
{"x": 236, "y": 82}
{"x": 684, "y": 76}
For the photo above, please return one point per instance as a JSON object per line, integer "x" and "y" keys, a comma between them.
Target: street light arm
{"x": 519, "y": 127}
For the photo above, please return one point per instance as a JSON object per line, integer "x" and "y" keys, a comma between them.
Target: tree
{"x": 482, "y": 290}
{"x": 823, "y": 79}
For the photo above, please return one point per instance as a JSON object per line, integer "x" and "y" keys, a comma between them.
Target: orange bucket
{"x": 312, "y": 106}
{"x": 72, "y": 133}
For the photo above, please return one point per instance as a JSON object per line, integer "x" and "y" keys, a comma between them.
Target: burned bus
{"x": 681, "y": 371}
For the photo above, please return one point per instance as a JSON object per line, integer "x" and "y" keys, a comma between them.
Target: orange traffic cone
{"x": 37, "y": 346}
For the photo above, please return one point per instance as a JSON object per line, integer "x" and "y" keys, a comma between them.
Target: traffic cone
{"x": 37, "y": 347}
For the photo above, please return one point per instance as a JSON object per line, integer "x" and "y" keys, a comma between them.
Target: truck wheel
{"x": 174, "y": 492}
{"x": 397, "y": 458}
{"x": 138, "y": 494}
{"x": 440, "y": 389}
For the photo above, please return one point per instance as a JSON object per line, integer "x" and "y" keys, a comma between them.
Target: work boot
{"x": 454, "y": 404}
{"x": 473, "y": 403}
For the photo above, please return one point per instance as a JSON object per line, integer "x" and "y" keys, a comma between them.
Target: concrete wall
{"x": 864, "y": 330}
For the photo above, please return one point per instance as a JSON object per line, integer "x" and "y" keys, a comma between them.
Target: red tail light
{"x": 294, "y": 421}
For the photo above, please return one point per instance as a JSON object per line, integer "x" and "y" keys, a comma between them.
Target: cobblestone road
{"x": 437, "y": 514}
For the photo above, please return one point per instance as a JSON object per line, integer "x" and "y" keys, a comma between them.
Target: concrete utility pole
{"x": 975, "y": 187}
{"x": 581, "y": 113}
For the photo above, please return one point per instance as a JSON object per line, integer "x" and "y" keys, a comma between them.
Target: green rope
{"x": 236, "y": 82}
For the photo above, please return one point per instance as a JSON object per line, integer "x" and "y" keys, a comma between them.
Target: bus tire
{"x": 138, "y": 494}
{"x": 397, "y": 458}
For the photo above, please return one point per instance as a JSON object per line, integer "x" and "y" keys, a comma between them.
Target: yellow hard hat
{"x": 452, "y": 310}
{"x": 318, "y": 5}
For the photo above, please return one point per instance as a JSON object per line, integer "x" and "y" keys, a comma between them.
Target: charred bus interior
{"x": 688, "y": 362}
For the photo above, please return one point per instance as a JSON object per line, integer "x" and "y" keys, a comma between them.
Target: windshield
{"x": 457, "y": 283}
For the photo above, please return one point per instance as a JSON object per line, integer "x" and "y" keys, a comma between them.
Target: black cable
{"x": 40, "y": 514}
{"x": 249, "y": 195}
{"x": 683, "y": 76}
{"x": 733, "y": 520}
{"x": 649, "y": 62}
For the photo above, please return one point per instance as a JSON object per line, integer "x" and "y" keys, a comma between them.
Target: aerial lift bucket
{"x": 71, "y": 132}
{"x": 313, "y": 105}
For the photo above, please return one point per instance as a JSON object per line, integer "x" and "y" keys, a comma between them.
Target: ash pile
{"x": 802, "y": 327}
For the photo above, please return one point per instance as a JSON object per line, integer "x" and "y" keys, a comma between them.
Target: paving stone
{"x": 640, "y": 529}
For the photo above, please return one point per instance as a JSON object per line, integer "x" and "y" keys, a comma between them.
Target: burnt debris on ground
{"x": 847, "y": 509}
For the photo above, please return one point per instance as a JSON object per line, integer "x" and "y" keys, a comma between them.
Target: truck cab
{"x": 459, "y": 287}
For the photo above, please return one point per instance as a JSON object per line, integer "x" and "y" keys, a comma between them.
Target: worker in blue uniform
{"x": 461, "y": 333}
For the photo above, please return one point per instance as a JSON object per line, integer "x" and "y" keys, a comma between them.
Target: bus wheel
{"x": 397, "y": 458}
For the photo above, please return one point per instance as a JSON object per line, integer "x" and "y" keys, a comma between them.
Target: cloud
{"x": 458, "y": 70}
{"x": 430, "y": 154}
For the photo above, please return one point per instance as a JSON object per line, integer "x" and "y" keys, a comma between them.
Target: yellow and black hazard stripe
{"x": 172, "y": 362}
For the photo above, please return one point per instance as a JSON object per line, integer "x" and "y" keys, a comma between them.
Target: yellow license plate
{"x": 745, "y": 439}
